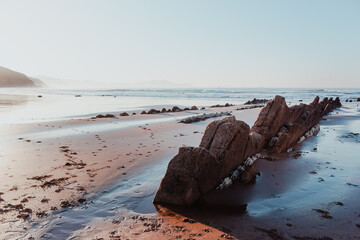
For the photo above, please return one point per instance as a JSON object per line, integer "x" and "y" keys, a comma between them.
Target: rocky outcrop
{"x": 191, "y": 173}
{"x": 229, "y": 146}
{"x": 124, "y": 114}
{"x": 203, "y": 117}
{"x": 103, "y": 116}
{"x": 153, "y": 111}
{"x": 219, "y": 105}
{"x": 300, "y": 119}
{"x": 257, "y": 101}
{"x": 271, "y": 118}
{"x": 226, "y": 140}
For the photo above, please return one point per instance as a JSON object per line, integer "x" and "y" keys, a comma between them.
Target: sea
{"x": 24, "y": 105}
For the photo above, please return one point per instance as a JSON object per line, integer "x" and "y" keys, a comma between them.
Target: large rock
{"x": 301, "y": 119}
{"x": 271, "y": 118}
{"x": 191, "y": 173}
{"x": 226, "y": 140}
{"x": 211, "y": 130}
{"x": 227, "y": 143}
{"x": 195, "y": 171}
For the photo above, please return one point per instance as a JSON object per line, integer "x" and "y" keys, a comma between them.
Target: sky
{"x": 189, "y": 43}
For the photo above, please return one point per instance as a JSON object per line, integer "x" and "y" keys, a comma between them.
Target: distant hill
{"x": 10, "y": 78}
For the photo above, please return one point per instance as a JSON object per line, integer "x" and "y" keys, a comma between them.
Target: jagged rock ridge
{"x": 226, "y": 143}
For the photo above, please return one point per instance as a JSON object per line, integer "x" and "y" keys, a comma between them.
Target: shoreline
{"x": 90, "y": 155}
{"x": 58, "y": 169}
{"x": 308, "y": 189}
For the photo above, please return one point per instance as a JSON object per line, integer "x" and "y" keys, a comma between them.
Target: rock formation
{"x": 229, "y": 146}
{"x": 124, "y": 114}
{"x": 203, "y": 117}
{"x": 257, "y": 101}
{"x": 103, "y": 116}
{"x": 219, "y": 105}
{"x": 193, "y": 173}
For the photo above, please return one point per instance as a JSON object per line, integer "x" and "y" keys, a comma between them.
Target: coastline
{"x": 75, "y": 162}
{"x": 61, "y": 161}
{"x": 309, "y": 193}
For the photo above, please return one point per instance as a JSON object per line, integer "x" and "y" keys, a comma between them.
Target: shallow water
{"x": 57, "y": 104}
{"x": 133, "y": 193}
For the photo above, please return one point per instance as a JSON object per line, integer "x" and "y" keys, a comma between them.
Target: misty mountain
{"x": 10, "y": 78}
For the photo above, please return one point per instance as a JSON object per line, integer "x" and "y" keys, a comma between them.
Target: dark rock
{"x": 106, "y": 116}
{"x": 271, "y": 118}
{"x": 186, "y": 109}
{"x": 175, "y": 109}
{"x": 203, "y": 117}
{"x": 153, "y": 111}
{"x": 249, "y": 175}
{"x": 194, "y": 108}
{"x": 191, "y": 173}
{"x": 358, "y": 99}
{"x": 337, "y": 102}
{"x": 195, "y": 171}
{"x": 211, "y": 130}
{"x": 315, "y": 101}
{"x": 219, "y": 105}
{"x": 143, "y": 112}
{"x": 163, "y": 110}
{"x": 226, "y": 140}
{"x": 124, "y": 114}
{"x": 256, "y": 101}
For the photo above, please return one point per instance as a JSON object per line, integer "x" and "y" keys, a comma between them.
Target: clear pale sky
{"x": 199, "y": 43}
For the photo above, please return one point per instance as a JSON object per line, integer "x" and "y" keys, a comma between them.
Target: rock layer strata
{"x": 226, "y": 143}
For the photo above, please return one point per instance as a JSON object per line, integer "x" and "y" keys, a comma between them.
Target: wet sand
{"x": 94, "y": 179}
{"x": 50, "y": 166}
{"x": 309, "y": 193}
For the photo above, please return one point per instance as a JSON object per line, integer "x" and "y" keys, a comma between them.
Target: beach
{"x": 190, "y": 120}
{"x": 80, "y": 177}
